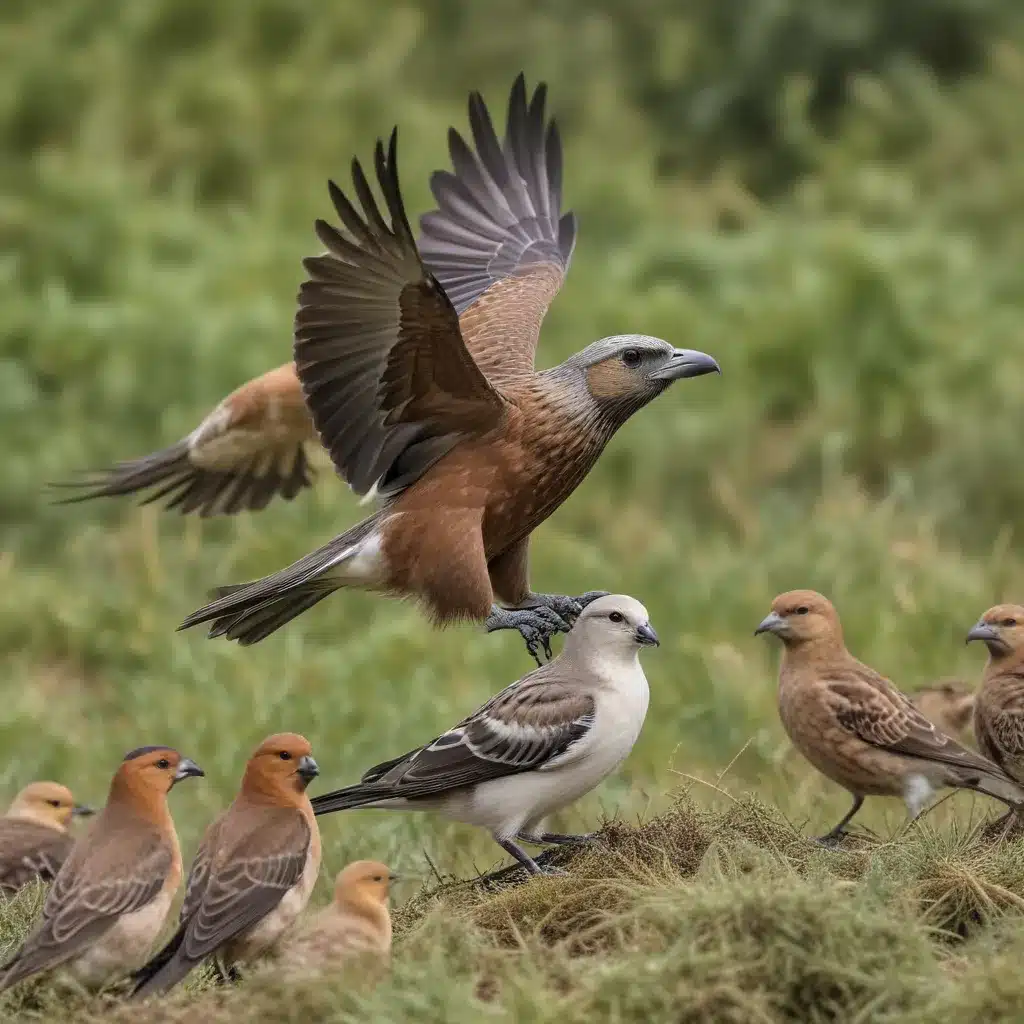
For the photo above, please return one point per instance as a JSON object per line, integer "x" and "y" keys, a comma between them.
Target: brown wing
{"x": 249, "y": 449}
{"x": 387, "y": 377}
{"x": 498, "y": 242}
{"x": 29, "y": 851}
{"x": 868, "y": 705}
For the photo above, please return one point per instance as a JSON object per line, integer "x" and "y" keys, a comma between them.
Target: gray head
{"x": 625, "y": 372}
{"x": 612, "y": 625}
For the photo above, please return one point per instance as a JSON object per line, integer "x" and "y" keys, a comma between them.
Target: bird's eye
{"x": 802, "y": 610}
{"x": 1009, "y": 622}
{"x": 616, "y": 616}
{"x": 631, "y": 358}
{"x": 53, "y": 803}
{"x": 285, "y": 756}
{"x": 163, "y": 763}
{"x": 378, "y": 878}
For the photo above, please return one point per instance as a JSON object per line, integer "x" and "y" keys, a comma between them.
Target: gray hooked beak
{"x": 82, "y": 811}
{"x": 771, "y": 623}
{"x": 308, "y": 768}
{"x": 686, "y": 362}
{"x": 186, "y": 768}
{"x": 645, "y": 635}
{"x": 983, "y": 631}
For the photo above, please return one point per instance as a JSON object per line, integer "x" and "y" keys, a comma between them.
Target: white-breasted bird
{"x": 537, "y": 746}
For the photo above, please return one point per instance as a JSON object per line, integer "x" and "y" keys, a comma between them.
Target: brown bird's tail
{"x": 191, "y": 488}
{"x": 997, "y": 785}
{"x": 249, "y": 612}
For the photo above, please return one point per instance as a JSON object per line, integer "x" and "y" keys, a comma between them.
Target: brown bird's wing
{"x": 386, "y": 374}
{"x": 100, "y": 881}
{"x": 498, "y": 242}
{"x": 29, "y": 851}
{"x": 868, "y": 705}
{"x": 249, "y": 449}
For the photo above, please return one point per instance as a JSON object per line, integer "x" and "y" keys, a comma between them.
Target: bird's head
{"x": 156, "y": 769}
{"x": 801, "y": 617}
{"x": 362, "y": 882}
{"x": 615, "y": 623}
{"x": 625, "y": 372}
{"x": 281, "y": 766}
{"x": 47, "y": 803}
{"x": 1001, "y": 629}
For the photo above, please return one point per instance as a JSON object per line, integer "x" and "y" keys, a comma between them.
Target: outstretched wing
{"x": 387, "y": 377}
{"x": 498, "y": 242}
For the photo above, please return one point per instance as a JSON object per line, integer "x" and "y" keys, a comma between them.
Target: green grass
{"x": 160, "y": 167}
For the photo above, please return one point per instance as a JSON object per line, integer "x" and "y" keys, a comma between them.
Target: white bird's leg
{"x": 834, "y": 837}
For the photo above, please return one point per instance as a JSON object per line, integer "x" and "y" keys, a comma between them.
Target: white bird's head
{"x": 614, "y": 625}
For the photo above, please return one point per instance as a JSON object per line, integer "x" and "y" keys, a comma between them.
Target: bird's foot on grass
{"x": 535, "y": 625}
{"x": 556, "y": 838}
{"x": 831, "y": 840}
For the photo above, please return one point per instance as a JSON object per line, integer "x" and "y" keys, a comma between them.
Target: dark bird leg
{"x": 229, "y": 975}
{"x": 535, "y": 625}
{"x": 835, "y": 837}
{"x": 567, "y": 608}
{"x": 555, "y": 838}
{"x": 526, "y": 860}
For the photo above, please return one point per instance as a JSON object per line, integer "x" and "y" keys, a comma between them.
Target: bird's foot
{"x": 555, "y": 838}
{"x": 568, "y": 608}
{"x": 831, "y": 840}
{"x": 535, "y": 625}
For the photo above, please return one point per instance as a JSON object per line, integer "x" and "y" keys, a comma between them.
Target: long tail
{"x": 359, "y": 795}
{"x": 248, "y": 612}
{"x": 999, "y": 786}
{"x": 164, "y": 970}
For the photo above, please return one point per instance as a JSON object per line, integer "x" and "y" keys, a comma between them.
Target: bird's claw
{"x": 566, "y": 607}
{"x": 535, "y": 625}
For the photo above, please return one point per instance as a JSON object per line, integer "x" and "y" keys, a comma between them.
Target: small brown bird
{"x": 111, "y": 897}
{"x": 999, "y": 707}
{"x": 855, "y": 727}
{"x": 418, "y": 369}
{"x": 356, "y": 924}
{"x": 253, "y": 872}
{"x": 34, "y": 837}
{"x": 250, "y": 448}
{"x": 948, "y": 704}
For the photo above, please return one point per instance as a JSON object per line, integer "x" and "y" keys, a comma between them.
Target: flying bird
{"x": 537, "y": 746}
{"x": 252, "y": 446}
{"x": 855, "y": 727}
{"x": 999, "y": 705}
{"x": 253, "y": 872}
{"x": 356, "y": 925}
{"x": 948, "y": 704}
{"x": 111, "y": 897}
{"x": 34, "y": 836}
{"x": 417, "y": 365}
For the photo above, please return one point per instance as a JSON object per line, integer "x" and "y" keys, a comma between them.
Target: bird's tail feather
{"x": 359, "y": 795}
{"x": 1001, "y": 787}
{"x": 162, "y": 971}
{"x": 249, "y": 612}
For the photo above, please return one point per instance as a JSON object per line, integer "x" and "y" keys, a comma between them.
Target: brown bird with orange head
{"x": 111, "y": 897}
{"x": 855, "y": 727}
{"x": 417, "y": 365}
{"x": 253, "y": 872}
{"x": 34, "y": 836}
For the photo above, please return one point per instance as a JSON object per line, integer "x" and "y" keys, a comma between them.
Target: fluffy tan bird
{"x": 252, "y": 447}
{"x": 948, "y": 704}
{"x": 34, "y": 836}
{"x": 254, "y": 870}
{"x": 417, "y": 363}
{"x": 999, "y": 705}
{"x": 111, "y": 897}
{"x": 855, "y": 727}
{"x": 357, "y": 924}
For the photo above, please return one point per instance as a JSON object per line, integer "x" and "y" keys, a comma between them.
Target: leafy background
{"x": 825, "y": 196}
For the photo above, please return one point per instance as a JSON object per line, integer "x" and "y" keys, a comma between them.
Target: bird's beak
{"x": 983, "y": 631}
{"x": 773, "y": 622}
{"x": 82, "y": 811}
{"x": 645, "y": 635}
{"x": 686, "y": 362}
{"x": 187, "y": 768}
{"x": 308, "y": 768}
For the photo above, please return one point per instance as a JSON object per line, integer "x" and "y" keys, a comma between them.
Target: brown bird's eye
{"x": 616, "y": 616}
{"x": 631, "y": 358}
{"x": 285, "y": 756}
{"x": 378, "y": 878}
{"x": 53, "y": 803}
{"x": 802, "y": 610}
{"x": 163, "y": 763}
{"x": 1009, "y": 622}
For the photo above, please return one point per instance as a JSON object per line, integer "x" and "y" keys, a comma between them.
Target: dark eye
{"x": 631, "y": 357}
{"x": 378, "y": 878}
{"x": 802, "y": 610}
{"x": 616, "y": 616}
{"x": 163, "y": 763}
{"x": 285, "y": 756}
{"x": 1009, "y": 622}
{"x": 53, "y": 803}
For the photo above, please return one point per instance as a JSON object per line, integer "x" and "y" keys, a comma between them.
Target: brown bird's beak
{"x": 983, "y": 631}
{"x": 772, "y": 623}
{"x": 307, "y": 768}
{"x": 82, "y": 811}
{"x": 686, "y": 362}
{"x": 187, "y": 768}
{"x": 645, "y": 635}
